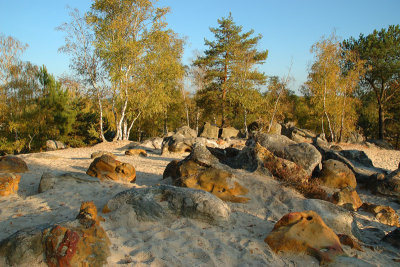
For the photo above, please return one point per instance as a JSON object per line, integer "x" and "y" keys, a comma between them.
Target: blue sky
{"x": 288, "y": 27}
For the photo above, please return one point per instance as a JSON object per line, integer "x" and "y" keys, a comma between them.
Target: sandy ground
{"x": 184, "y": 241}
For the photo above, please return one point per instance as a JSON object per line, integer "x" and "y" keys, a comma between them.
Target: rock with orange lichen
{"x": 108, "y": 168}
{"x": 348, "y": 198}
{"x": 304, "y": 232}
{"x": 9, "y": 183}
{"x": 12, "y": 164}
{"x": 136, "y": 152}
{"x": 336, "y": 174}
{"x": 349, "y": 241}
{"x": 82, "y": 242}
{"x": 384, "y": 214}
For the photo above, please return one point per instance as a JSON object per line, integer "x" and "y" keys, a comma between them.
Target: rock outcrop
{"x": 210, "y": 131}
{"x": 82, "y": 242}
{"x": 229, "y": 132}
{"x": 336, "y": 174}
{"x": 9, "y": 183}
{"x": 164, "y": 201}
{"x": 52, "y": 145}
{"x": 108, "y": 168}
{"x": 12, "y": 164}
{"x": 304, "y": 232}
{"x": 384, "y": 214}
{"x": 390, "y": 184}
{"x": 303, "y": 154}
{"x": 393, "y": 238}
{"x": 176, "y": 143}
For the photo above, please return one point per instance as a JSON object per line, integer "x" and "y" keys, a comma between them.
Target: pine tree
{"x": 229, "y": 62}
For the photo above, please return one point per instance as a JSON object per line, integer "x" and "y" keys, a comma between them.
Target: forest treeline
{"x": 128, "y": 82}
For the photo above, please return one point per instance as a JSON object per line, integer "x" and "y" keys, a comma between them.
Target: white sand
{"x": 183, "y": 241}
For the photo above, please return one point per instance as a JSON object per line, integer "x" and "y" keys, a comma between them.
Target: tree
{"x": 380, "y": 50}
{"x": 85, "y": 60}
{"x": 230, "y": 63}
{"x": 330, "y": 86}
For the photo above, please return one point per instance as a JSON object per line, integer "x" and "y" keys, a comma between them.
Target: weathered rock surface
{"x": 163, "y": 201}
{"x": 108, "y": 168}
{"x": 101, "y": 153}
{"x": 384, "y": 214}
{"x": 12, "y": 164}
{"x": 304, "y": 154}
{"x": 9, "y": 183}
{"x": 357, "y": 156}
{"x": 273, "y": 142}
{"x": 393, "y": 238}
{"x": 348, "y": 198}
{"x": 176, "y": 143}
{"x": 296, "y": 134}
{"x": 229, "y": 132}
{"x": 136, "y": 152}
{"x": 349, "y": 241}
{"x": 82, "y": 242}
{"x": 50, "y": 181}
{"x": 355, "y": 138}
{"x": 336, "y": 174}
{"x": 210, "y": 131}
{"x": 187, "y": 132}
{"x": 201, "y": 170}
{"x": 305, "y": 232}
{"x": 390, "y": 184}
{"x": 52, "y": 145}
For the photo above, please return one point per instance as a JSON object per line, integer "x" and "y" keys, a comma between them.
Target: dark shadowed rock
{"x": 358, "y": 157}
{"x": 336, "y": 174}
{"x": 380, "y": 143}
{"x": 12, "y": 164}
{"x": 108, "y": 168}
{"x": 393, "y": 238}
{"x": 210, "y": 131}
{"x": 390, "y": 184}
{"x": 305, "y": 232}
{"x": 163, "y": 201}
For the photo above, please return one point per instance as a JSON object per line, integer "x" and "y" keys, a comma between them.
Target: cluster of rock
{"x": 82, "y": 242}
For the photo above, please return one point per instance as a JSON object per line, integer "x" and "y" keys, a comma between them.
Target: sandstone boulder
{"x": 50, "y": 181}
{"x": 390, "y": 184}
{"x": 336, "y": 174}
{"x": 12, "y": 164}
{"x": 355, "y": 138}
{"x": 176, "y": 143}
{"x": 82, "y": 242}
{"x": 349, "y": 241}
{"x": 305, "y": 155}
{"x": 305, "y": 232}
{"x": 52, "y": 145}
{"x": 158, "y": 202}
{"x": 357, "y": 156}
{"x": 9, "y": 183}
{"x": 136, "y": 152}
{"x": 384, "y": 214}
{"x": 229, "y": 132}
{"x": 210, "y": 131}
{"x": 273, "y": 142}
{"x": 101, "y": 153}
{"x": 348, "y": 198}
{"x": 108, "y": 168}
{"x": 187, "y": 132}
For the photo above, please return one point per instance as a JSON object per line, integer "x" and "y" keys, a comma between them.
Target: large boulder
{"x": 229, "y": 132}
{"x": 108, "y": 168}
{"x": 273, "y": 142}
{"x": 187, "y": 132}
{"x": 358, "y": 157}
{"x": 210, "y": 131}
{"x": 163, "y": 201}
{"x": 336, "y": 174}
{"x": 348, "y": 198}
{"x": 201, "y": 170}
{"x": 52, "y": 145}
{"x": 305, "y": 232}
{"x": 50, "y": 181}
{"x": 12, "y": 164}
{"x": 390, "y": 184}
{"x": 9, "y": 183}
{"x": 305, "y": 155}
{"x": 177, "y": 143}
{"x": 296, "y": 134}
{"x": 82, "y": 242}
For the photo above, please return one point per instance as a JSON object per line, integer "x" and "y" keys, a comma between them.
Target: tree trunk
{"x": 131, "y": 125}
{"x": 103, "y": 139}
{"x": 165, "y": 123}
{"x": 197, "y": 121}
{"x": 246, "y": 131}
{"x": 342, "y": 118}
{"x": 275, "y": 109}
{"x": 380, "y": 122}
{"x": 327, "y": 117}
{"x": 125, "y": 130}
